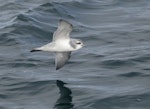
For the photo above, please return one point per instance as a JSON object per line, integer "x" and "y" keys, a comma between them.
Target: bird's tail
{"x": 34, "y": 50}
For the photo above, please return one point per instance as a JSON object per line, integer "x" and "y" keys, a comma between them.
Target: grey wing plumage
{"x": 63, "y": 31}
{"x": 61, "y": 58}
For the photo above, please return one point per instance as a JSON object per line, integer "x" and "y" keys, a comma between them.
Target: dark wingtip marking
{"x": 62, "y": 20}
{"x": 57, "y": 68}
{"x": 34, "y": 50}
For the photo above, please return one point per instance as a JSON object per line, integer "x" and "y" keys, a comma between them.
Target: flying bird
{"x": 62, "y": 45}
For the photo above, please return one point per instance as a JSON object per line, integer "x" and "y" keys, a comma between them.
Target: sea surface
{"x": 112, "y": 71}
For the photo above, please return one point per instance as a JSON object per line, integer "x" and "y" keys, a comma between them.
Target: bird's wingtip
{"x": 57, "y": 68}
{"x": 62, "y": 20}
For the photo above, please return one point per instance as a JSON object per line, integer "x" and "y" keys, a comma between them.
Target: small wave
{"x": 132, "y": 74}
{"x": 21, "y": 63}
{"x": 116, "y": 63}
{"x": 7, "y": 41}
{"x": 128, "y": 101}
{"x": 143, "y": 58}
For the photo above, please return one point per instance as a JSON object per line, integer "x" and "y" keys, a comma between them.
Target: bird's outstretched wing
{"x": 61, "y": 58}
{"x": 63, "y": 31}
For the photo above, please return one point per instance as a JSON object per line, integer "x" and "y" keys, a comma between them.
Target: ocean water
{"x": 111, "y": 72}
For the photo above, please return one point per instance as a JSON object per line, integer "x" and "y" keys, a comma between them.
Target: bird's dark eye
{"x": 78, "y": 42}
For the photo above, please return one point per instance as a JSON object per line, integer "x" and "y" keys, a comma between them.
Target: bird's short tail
{"x": 34, "y": 50}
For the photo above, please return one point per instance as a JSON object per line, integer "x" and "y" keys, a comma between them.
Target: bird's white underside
{"x": 62, "y": 45}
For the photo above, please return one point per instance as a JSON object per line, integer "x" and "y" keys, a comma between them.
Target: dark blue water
{"x": 111, "y": 72}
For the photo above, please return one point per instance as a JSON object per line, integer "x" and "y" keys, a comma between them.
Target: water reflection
{"x": 65, "y": 99}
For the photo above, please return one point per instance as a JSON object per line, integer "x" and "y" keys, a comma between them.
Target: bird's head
{"x": 76, "y": 43}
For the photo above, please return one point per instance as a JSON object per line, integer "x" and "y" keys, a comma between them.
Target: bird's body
{"x": 62, "y": 44}
{"x": 58, "y": 46}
